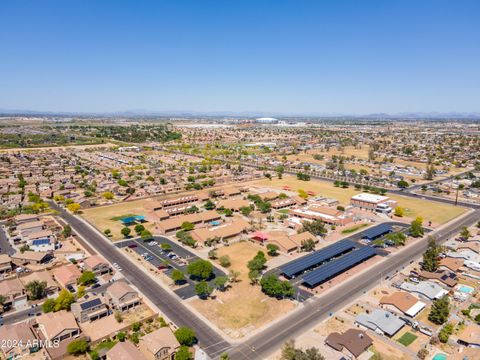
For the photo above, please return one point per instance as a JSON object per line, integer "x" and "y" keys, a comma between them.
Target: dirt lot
{"x": 438, "y": 213}
{"x": 243, "y": 307}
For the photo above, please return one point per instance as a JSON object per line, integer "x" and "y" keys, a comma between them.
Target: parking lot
{"x": 177, "y": 258}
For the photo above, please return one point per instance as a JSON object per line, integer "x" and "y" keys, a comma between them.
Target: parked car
{"x": 132, "y": 246}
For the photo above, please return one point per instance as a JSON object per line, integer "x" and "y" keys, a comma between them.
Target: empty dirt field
{"x": 437, "y": 213}
{"x": 243, "y": 307}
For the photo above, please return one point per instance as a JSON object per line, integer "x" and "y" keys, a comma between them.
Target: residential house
{"x": 124, "y": 351}
{"x": 121, "y": 296}
{"x": 5, "y": 264}
{"x": 14, "y": 293}
{"x": 160, "y": 344}
{"x": 18, "y": 340}
{"x": 404, "y": 302}
{"x": 67, "y": 275}
{"x": 96, "y": 264}
{"x": 380, "y": 321}
{"x": 89, "y": 308}
{"x": 355, "y": 341}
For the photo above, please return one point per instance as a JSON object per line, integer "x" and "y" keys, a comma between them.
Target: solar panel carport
{"x": 298, "y": 266}
{"x": 377, "y": 231}
{"x": 338, "y": 266}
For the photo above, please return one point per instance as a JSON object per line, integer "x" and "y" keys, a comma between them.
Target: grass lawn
{"x": 242, "y": 306}
{"x": 354, "y": 228}
{"x": 107, "y": 217}
{"x": 407, "y": 338}
{"x": 436, "y": 212}
{"x": 283, "y": 211}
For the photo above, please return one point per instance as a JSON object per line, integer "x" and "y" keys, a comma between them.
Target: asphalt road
{"x": 303, "y": 318}
{"x": 170, "y": 304}
{"x": 316, "y": 309}
{"x": 5, "y": 247}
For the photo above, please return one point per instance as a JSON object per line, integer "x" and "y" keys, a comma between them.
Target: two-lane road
{"x": 316, "y": 309}
{"x": 169, "y": 303}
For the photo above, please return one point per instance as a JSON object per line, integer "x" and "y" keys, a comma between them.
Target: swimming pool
{"x": 465, "y": 289}
{"x": 440, "y": 357}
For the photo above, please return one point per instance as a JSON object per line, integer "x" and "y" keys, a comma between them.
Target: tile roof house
{"x": 59, "y": 326}
{"x": 52, "y": 286}
{"x": 403, "y": 302}
{"x": 445, "y": 277}
{"x": 89, "y": 308}
{"x": 5, "y": 263}
{"x": 17, "y": 340}
{"x": 14, "y": 292}
{"x": 224, "y": 231}
{"x": 121, "y": 296}
{"x": 354, "y": 340}
{"x": 67, "y": 275}
{"x": 96, "y": 264}
{"x": 160, "y": 344}
{"x": 470, "y": 336}
{"x": 124, "y": 351}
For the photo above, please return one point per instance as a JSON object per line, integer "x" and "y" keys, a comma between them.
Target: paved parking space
{"x": 159, "y": 257}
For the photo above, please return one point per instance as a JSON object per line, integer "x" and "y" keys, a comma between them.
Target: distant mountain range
{"x": 241, "y": 114}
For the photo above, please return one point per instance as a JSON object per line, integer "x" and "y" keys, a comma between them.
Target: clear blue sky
{"x": 239, "y": 55}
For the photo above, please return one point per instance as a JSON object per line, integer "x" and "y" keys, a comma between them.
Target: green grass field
{"x": 407, "y": 338}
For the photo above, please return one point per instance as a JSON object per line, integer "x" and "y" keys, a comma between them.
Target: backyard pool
{"x": 215, "y": 223}
{"x": 465, "y": 289}
{"x": 440, "y": 357}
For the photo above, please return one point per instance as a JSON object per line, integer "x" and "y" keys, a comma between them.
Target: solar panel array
{"x": 91, "y": 303}
{"x": 377, "y": 231}
{"x": 337, "y": 266}
{"x": 41, "y": 242}
{"x": 297, "y": 266}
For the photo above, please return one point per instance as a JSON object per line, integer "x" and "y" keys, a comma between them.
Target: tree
{"x": 166, "y": 247}
{"x": 121, "y": 336}
{"x": 253, "y": 275}
{"x": 209, "y": 205}
{"x": 36, "y": 289}
{"x": 178, "y": 276}
{"x": 145, "y": 234}
{"x": 220, "y": 282}
{"x": 234, "y": 275}
{"x": 445, "y": 333}
{"x": 302, "y": 193}
{"x": 48, "y": 305}
{"x": 308, "y": 245}
{"x": 246, "y": 210}
{"x": 139, "y": 228}
{"x": 272, "y": 249}
{"x": 228, "y": 212}
{"x": 224, "y": 356}
{"x": 64, "y": 300}
{"x": 118, "y": 316}
{"x": 258, "y": 262}
{"x": 185, "y": 336}
{"x": 273, "y": 286}
{"x": 203, "y": 290}
{"x": 316, "y": 227}
{"x": 440, "y": 311}
{"x": 430, "y": 256}
{"x": 183, "y": 353}
{"x": 74, "y": 207}
{"x": 108, "y": 232}
{"x": 397, "y": 238}
{"x": 200, "y": 269}
{"x": 126, "y": 231}
{"x": 77, "y": 347}
{"x": 212, "y": 254}
{"x": 402, "y": 184}
{"x": 399, "y": 211}
{"x": 108, "y": 195}
{"x": 224, "y": 261}
{"x": 290, "y": 352}
{"x": 67, "y": 231}
{"x": 87, "y": 278}
{"x": 416, "y": 229}
{"x": 81, "y": 291}
{"x": 187, "y": 226}
{"x": 465, "y": 234}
